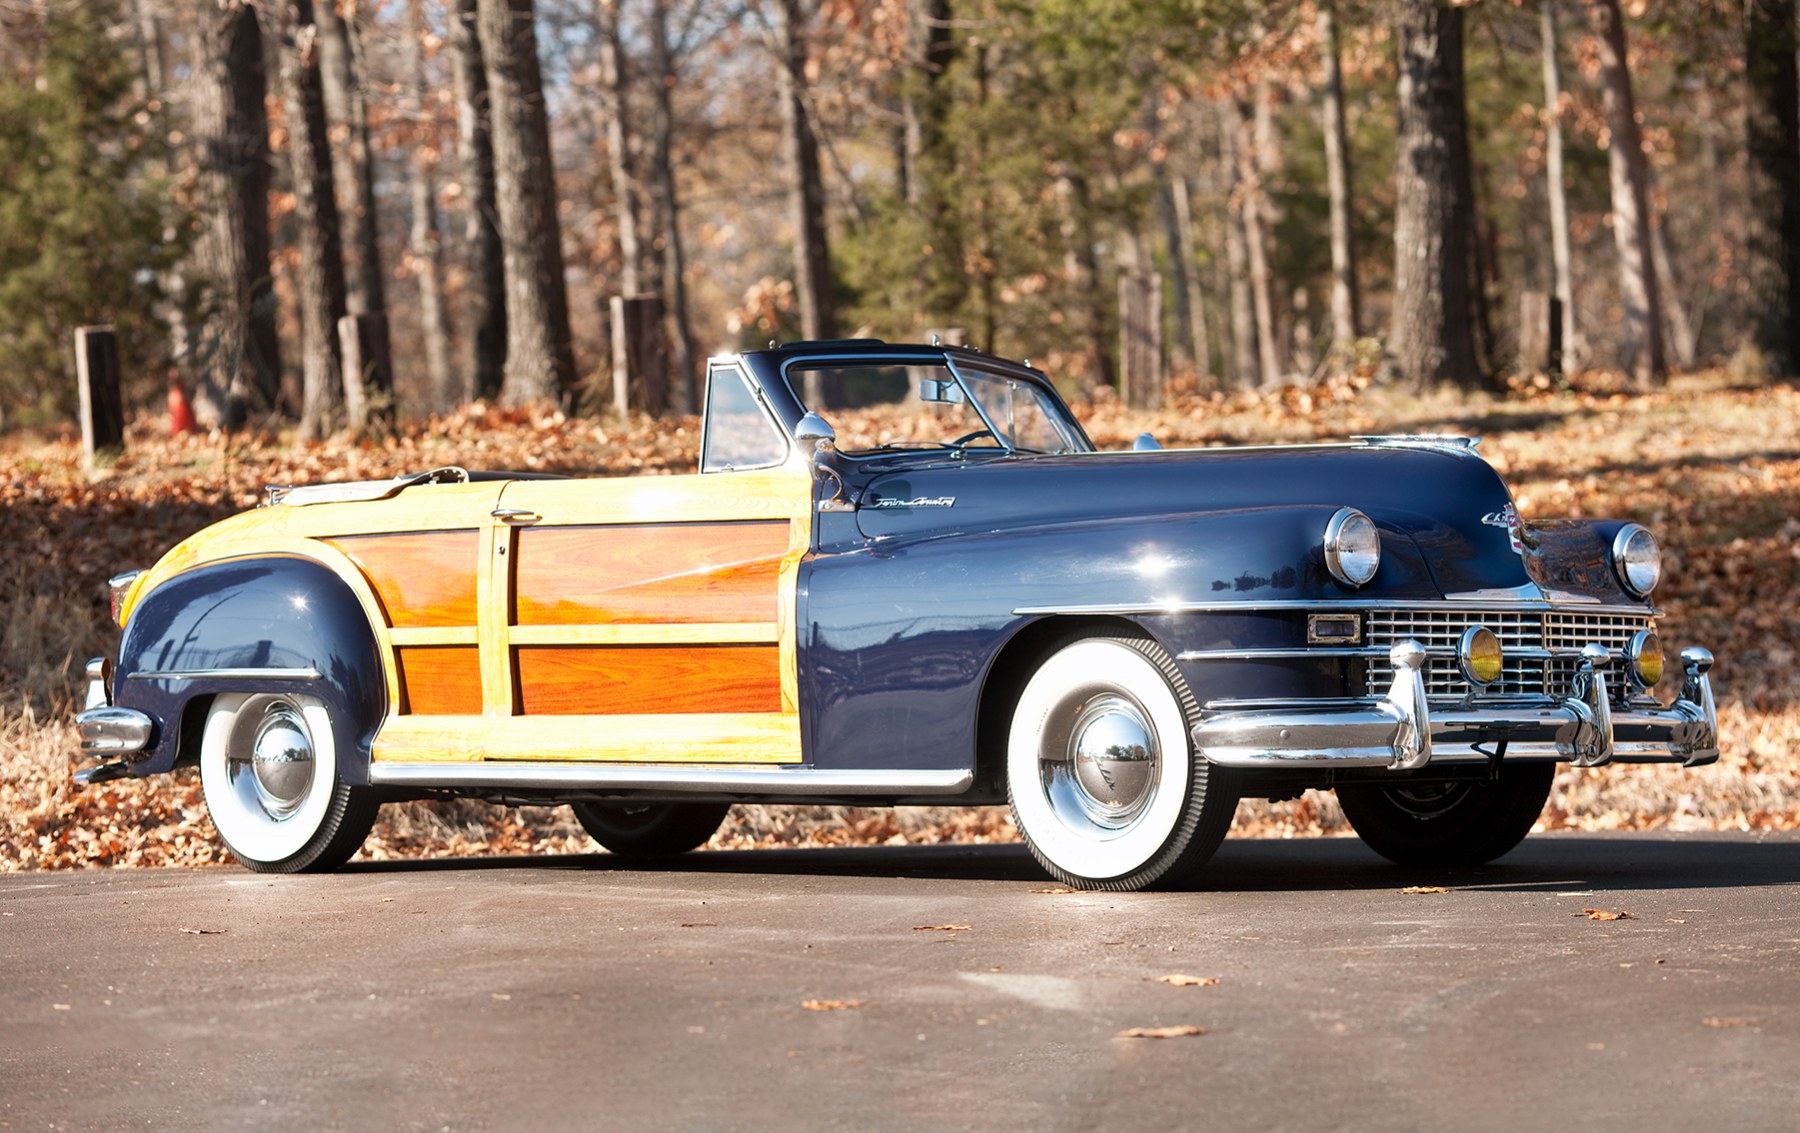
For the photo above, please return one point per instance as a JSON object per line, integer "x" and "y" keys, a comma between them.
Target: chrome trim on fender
{"x": 306, "y": 674}
{"x": 670, "y": 777}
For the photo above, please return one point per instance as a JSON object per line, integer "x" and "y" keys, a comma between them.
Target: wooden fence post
{"x": 640, "y": 372}
{"x": 97, "y": 380}
{"x": 1141, "y": 339}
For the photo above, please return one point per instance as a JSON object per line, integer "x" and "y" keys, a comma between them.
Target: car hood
{"x": 1448, "y": 503}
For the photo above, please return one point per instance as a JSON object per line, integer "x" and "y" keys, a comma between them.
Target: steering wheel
{"x": 967, "y": 437}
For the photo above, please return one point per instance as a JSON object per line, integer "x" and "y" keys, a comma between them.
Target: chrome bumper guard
{"x": 1402, "y": 732}
{"x": 107, "y": 730}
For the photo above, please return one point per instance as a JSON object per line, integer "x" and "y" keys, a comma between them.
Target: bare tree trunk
{"x": 668, "y": 213}
{"x": 813, "y": 283}
{"x": 1433, "y": 218}
{"x": 1668, "y": 290}
{"x": 613, "y": 77}
{"x": 240, "y": 352}
{"x": 1262, "y": 278}
{"x": 1641, "y": 352}
{"x": 427, "y": 250}
{"x": 539, "y": 359}
{"x": 321, "y": 283}
{"x": 1244, "y": 368}
{"x": 1346, "y": 301}
{"x": 485, "y": 298}
{"x": 1187, "y": 278}
{"x": 340, "y": 70}
{"x": 1772, "y": 129}
{"x": 1563, "y": 285}
{"x": 927, "y": 159}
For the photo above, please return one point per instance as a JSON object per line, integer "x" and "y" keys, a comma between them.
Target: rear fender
{"x": 275, "y": 624}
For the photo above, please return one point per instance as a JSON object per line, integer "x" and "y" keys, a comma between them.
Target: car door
{"x": 651, "y": 619}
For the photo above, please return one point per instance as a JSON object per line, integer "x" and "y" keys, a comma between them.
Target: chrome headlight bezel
{"x": 1637, "y": 559}
{"x": 1352, "y": 547}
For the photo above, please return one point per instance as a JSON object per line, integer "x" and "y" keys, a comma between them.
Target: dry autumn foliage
{"x": 1712, "y": 467}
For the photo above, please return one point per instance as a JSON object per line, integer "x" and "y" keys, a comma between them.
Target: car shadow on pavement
{"x": 1549, "y": 863}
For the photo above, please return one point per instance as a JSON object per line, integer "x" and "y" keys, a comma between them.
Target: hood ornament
{"x": 1508, "y": 517}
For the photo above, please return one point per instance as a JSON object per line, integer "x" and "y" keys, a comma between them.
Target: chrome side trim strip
{"x": 669, "y": 777}
{"x": 306, "y": 674}
{"x": 1179, "y": 607}
{"x": 1351, "y": 651}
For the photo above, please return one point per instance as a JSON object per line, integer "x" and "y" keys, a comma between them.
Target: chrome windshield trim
{"x": 1176, "y": 606}
{"x": 306, "y": 674}
{"x": 671, "y": 777}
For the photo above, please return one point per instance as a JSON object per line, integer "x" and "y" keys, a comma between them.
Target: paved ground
{"x": 576, "y": 992}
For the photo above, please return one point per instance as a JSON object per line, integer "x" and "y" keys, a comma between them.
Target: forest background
{"x": 1573, "y": 226}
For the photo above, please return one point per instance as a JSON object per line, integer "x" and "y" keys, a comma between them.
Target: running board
{"x": 774, "y": 782}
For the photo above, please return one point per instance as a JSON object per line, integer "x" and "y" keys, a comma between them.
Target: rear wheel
{"x": 1449, "y": 824}
{"x": 1101, "y": 773}
{"x": 268, "y": 769}
{"x": 650, "y": 829}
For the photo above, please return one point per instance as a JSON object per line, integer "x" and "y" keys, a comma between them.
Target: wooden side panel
{"x": 422, "y": 578}
{"x": 649, "y": 574}
{"x": 648, "y": 679}
{"x": 439, "y": 680}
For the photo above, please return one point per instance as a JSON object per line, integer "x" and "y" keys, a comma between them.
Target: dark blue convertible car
{"x": 903, "y": 574}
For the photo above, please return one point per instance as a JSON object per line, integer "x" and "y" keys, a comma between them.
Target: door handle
{"x": 518, "y": 515}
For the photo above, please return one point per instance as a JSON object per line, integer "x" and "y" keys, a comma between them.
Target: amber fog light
{"x": 1644, "y": 652}
{"x": 1480, "y": 655}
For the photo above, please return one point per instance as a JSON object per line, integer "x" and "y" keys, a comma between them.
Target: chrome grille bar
{"x": 1542, "y": 646}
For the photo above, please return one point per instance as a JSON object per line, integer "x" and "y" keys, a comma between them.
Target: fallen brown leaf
{"x": 206, "y": 931}
{"x": 942, "y": 927}
{"x": 1175, "y": 1032}
{"x": 1055, "y": 889}
{"x": 1604, "y": 915}
{"x": 831, "y": 1004}
{"x": 1717, "y": 1021}
{"x": 1424, "y": 889}
{"x": 1189, "y": 981}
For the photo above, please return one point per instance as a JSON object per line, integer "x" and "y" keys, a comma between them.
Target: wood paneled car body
{"x": 967, "y": 605}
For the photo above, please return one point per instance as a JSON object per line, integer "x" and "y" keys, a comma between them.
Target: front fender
{"x": 274, "y": 624}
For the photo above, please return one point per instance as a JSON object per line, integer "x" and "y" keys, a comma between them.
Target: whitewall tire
{"x": 1100, "y": 771}
{"x": 268, "y": 769}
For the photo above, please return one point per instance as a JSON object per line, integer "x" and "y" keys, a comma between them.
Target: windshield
{"x": 880, "y": 406}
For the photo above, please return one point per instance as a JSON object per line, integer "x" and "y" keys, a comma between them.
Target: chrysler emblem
{"x": 1507, "y": 517}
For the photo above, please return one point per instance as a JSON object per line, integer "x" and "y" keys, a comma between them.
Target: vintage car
{"x": 963, "y": 603}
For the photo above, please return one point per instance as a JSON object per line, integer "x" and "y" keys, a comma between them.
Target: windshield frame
{"x": 1064, "y": 419}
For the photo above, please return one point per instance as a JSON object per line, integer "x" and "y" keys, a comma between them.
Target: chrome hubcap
{"x": 280, "y": 761}
{"x": 1101, "y": 773}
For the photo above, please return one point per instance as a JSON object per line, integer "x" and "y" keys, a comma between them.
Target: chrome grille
{"x": 1542, "y": 646}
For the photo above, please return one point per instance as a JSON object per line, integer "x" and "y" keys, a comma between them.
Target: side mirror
{"x": 814, "y": 434}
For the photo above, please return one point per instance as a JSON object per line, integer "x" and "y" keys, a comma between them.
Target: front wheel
{"x": 268, "y": 769}
{"x": 650, "y": 829}
{"x": 1459, "y": 823}
{"x": 1101, "y": 774}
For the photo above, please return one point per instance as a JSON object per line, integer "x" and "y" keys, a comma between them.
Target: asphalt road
{"x": 582, "y": 993}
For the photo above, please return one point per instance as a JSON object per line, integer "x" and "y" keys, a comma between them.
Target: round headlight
{"x": 1645, "y": 656}
{"x": 1637, "y": 559}
{"x": 1352, "y": 547}
{"x": 1480, "y": 655}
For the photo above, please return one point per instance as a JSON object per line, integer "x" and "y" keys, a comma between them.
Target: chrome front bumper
{"x": 1403, "y": 732}
{"x": 109, "y": 731}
